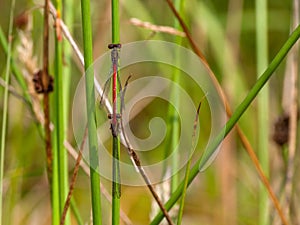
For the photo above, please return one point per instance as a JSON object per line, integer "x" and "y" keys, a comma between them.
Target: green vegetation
{"x": 243, "y": 45}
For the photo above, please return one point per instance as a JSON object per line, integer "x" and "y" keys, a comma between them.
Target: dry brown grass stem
{"x": 156, "y": 28}
{"x": 132, "y": 154}
{"x": 77, "y": 156}
{"x": 45, "y": 80}
{"x": 221, "y": 93}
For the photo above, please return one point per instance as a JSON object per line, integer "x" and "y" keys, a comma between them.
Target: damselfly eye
{"x": 111, "y": 46}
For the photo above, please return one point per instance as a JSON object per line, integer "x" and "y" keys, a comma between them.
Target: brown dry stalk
{"x": 136, "y": 161}
{"x": 45, "y": 79}
{"x": 73, "y": 153}
{"x": 131, "y": 153}
{"x": 141, "y": 170}
{"x": 66, "y": 33}
{"x": 78, "y": 164}
{"x": 74, "y": 177}
{"x": 156, "y": 28}
{"x": 221, "y": 93}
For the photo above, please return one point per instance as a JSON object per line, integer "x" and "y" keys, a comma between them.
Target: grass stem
{"x": 90, "y": 105}
{"x": 187, "y": 170}
{"x": 5, "y": 103}
{"x": 45, "y": 84}
{"x": 221, "y": 93}
{"x": 20, "y": 79}
{"x": 231, "y": 123}
{"x": 116, "y": 183}
{"x": 263, "y": 105}
{"x": 60, "y": 155}
{"x": 175, "y": 130}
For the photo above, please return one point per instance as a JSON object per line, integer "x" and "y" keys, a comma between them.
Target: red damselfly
{"x": 116, "y": 84}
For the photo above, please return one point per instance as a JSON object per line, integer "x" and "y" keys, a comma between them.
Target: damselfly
{"x": 117, "y": 125}
{"x": 116, "y": 84}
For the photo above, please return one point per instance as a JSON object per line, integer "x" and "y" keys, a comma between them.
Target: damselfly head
{"x": 110, "y": 116}
{"x": 112, "y": 46}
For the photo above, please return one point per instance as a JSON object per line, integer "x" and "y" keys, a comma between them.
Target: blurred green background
{"x": 227, "y": 192}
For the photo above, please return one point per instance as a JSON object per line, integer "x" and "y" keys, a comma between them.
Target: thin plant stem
{"x": 60, "y": 124}
{"x": 55, "y": 201}
{"x": 173, "y": 115}
{"x": 67, "y": 52}
{"x": 45, "y": 84}
{"x": 91, "y": 116}
{"x": 55, "y": 189}
{"x": 108, "y": 106}
{"x": 19, "y": 77}
{"x": 14, "y": 69}
{"x": 116, "y": 187}
{"x": 141, "y": 170}
{"x": 175, "y": 130}
{"x": 84, "y": 167}
{"x": 134, "y": 157}
{"x": 57, "y": 148}
{"x": 199, "y": 165}
{"x": 156, "y": 28}
{"x": 73, "y": 180}
{"x": 221, "y": 93}
{"x": 67, "y": 34}
{"x": 187, "y": 170}
{"x": 293, "y": 93}
{"x": 5, "y": 103}
{"x": 13, "y": 91}
{"x": 75, "y": 48}
{"x": 76, "y": 212}
{"x": 116, "y": 183}
{"x": 187, "y": 33}
{"x": 263, "y": 105}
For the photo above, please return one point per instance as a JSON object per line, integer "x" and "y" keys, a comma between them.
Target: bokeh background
{"x": 228, "y": 191}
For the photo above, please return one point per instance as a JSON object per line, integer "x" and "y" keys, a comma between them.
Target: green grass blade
{"x": 67, "y": 51}
{"x": 76, "y": 212}
{"x": 175, "y": 121}
{"x": 59, "y": 115}
{"x": 115, "y": 21}
{"x": 116, "y": 183}
{"x": 55, "y": 188}
{"x": 175, "y": 129}
{"x": 263, "y": 105}
{"x": 90, "y": 105}
{"x": 187, "y": 170}
{"x": 201, "y": 163}
{"x": 5, "y": 104}
{"x": 116, "y": 186}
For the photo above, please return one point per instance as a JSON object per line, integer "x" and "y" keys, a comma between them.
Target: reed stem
{"x": 91, "y": 116}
